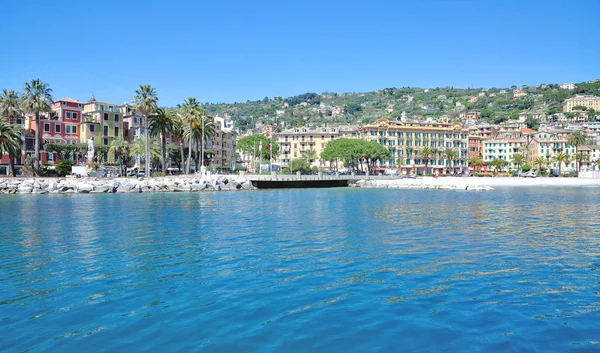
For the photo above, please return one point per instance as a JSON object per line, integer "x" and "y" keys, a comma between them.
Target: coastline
{"x": 193, "y": 183}
{"x": 183, "y": 183}
{"x": 475, "y": 183}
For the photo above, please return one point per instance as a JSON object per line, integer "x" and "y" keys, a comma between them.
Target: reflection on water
{"x": 302, "y": 270}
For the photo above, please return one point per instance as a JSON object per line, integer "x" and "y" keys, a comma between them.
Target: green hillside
{"x": 496, "y": 105}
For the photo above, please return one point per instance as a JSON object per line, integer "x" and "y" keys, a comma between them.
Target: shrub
{"x": 64, "y": 167}
{"x": 525, "y": 168}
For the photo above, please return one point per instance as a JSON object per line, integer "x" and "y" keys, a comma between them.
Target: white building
{"x": 567, "y": 86}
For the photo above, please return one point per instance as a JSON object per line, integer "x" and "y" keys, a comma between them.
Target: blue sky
{"x": 226, "y": 51}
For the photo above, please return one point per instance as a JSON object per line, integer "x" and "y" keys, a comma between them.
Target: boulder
{"x": 85, "y": 188}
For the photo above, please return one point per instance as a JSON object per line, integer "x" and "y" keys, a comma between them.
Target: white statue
{"x": 90, "y": 152}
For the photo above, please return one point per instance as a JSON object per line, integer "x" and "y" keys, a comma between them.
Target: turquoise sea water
{"x": 323, "y": 270}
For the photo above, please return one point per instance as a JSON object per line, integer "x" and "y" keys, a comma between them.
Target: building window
{"x": 74, "y": 116}
{"x": 105, "y": 142}
{"x": 92, "y": 128}
{"x": 116, "y": 117}
{"x": 68, "y": 114}
{"x": 68, "y": 127}
{"x": 106, "y": 131}
{"x": 116, "y": 131}
{"x": 105, "y": 116}
{"x": 46, "y": 127}
{"x": 74, "y": 129}
{"x": 57, "y": 128}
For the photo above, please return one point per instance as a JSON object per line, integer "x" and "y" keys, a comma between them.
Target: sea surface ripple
{"x": 323, "y": 270}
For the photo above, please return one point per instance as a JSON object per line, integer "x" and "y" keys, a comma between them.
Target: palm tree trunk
{"x": 202, "y": 144}
{"x": 147, "y": 145}
{"x": 196, "y": 158}
{"x": 11, "y": 162}
{"x": 181, "y": 151}
{"x": 36, "y": 162}
{"x": 164, "y": 152}
{"x": 189, "y": 159}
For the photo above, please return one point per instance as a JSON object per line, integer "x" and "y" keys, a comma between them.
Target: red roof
{"x": 528, "y": 131}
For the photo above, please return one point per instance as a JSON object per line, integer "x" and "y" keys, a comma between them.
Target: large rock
{"x": 25, "y": 189}
{"x": 85, "y": 188}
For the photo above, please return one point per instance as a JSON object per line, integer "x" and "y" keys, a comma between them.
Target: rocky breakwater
{"x": 121, "y": 185}
{"x": 425, "y": 183}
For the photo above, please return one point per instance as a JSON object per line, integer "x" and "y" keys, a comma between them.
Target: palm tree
{"x": 451, "y": 155}
{"x": 189, "y": 113}
{"x": 597, "y": 163}
{"x": 162, "y": 122}
{"x": 138, "y": 147}
{"x": 560, "y": 159}
{"x": 577, "y": 138}
{"x": 195, "y": 136}
{"x": 10, "y": 140}
{"x": 11, "y": 109}
{"x": 518, "y": 159}
{"x": 539, "y": 162}
{"x": 426, "y": 153}
{"x": 499, "y": 164}
{"x": 309, "y": 155}
{"x": 145, "y": 101}
{"x": 120, "y": 149}
{"x": 475, "y": 162}
{"x": 580, "y": 158}
{"x": 37, "y": 97}
{"x": 178, "y": 132}
{"x": 208, "y": 131}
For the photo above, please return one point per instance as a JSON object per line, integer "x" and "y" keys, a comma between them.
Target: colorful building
{"x": 404, "y": 140}
{"x": 590, "y": 102}
{"x": 294, "y": 142}
{"x": 103, "y": 122}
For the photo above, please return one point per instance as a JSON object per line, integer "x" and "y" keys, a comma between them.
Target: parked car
{"x": 529, "y": 174}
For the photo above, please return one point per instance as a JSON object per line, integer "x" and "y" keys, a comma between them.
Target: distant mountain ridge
{"x": 495, "y": 104}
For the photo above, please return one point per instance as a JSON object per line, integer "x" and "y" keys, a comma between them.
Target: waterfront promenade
{"x": 197, "y": 183}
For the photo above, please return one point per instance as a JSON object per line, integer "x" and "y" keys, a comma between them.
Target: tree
{"x": 451, "y": 155}
{"x": 498, "y": 164}
{"x": 190, "y": 112}
{"x": 577, "y": 138}
{"x": 162, "y": 123}
{"x": 64, "y": 167}
{"x": 597, "y": 163}
{"x": 250, "y": 145}
{"x": 138, "y": 147}
{"x": 309, "y": 155}
{"x": 145, "y": 102}
{"x": 354, "y": 152}
{"x": 579, "y": 107}
{"x": 120, "y": 149}
{"x": 208, "y": 130}
{"x": 37, "y": 97}
{"x": 426, "y": 153}
{"x": 581, "y": 158}
{"x": 178, "y": 132}
{"x": 300, "y": 165}
{"x": 518, "y": 159}
{"x": 539, "y": 162}
{"x": 560, "y": 159}
{"x": 9, "y": 143}
{"x": 11, "y": 109}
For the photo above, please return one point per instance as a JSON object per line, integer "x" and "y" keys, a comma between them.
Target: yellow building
{"x": 294, "y": 142}
{"x": 590, "y": 102}
{"x": 102, "y": 121}
{"x": 404, "y": 140}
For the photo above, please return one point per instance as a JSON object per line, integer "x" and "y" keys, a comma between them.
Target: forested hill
{"x": 496, "y": 105}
